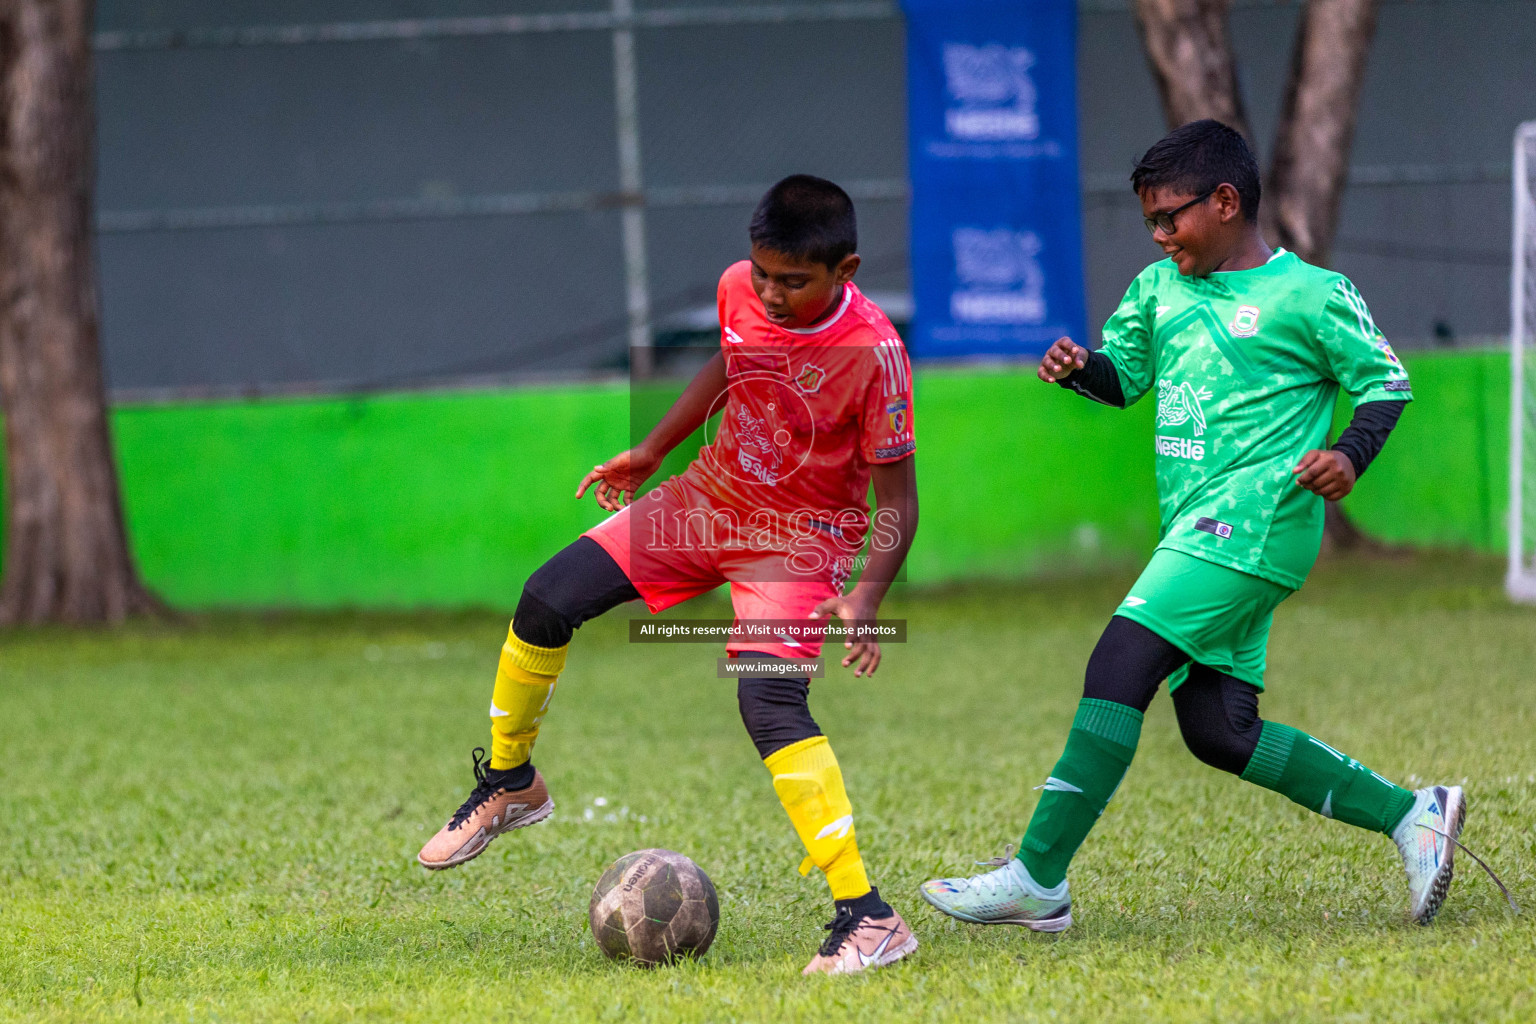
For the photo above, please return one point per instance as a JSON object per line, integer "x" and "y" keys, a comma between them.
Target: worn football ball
{"x": 653, "y": 907}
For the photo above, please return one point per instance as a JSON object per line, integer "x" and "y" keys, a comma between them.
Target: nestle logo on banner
{"x": 992, "y": 89}
{"x": 1000, "y": 277}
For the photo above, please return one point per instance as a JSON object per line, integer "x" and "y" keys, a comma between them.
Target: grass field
{"x": 218, "y": 821}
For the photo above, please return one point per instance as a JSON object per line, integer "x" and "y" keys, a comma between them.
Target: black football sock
{"x": 868, "y": 905}
{"x": 519, "y": 777}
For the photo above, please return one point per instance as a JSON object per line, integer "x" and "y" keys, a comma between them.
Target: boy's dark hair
{"x": 1198, "y": 156}
{"x": 806, "y": 218}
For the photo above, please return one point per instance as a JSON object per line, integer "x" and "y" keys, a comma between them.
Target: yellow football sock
{"x": 810, "y": 786}
{"x": 525, "y": 681}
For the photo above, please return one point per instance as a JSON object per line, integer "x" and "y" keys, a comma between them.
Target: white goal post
{"x": 1520, "y": 582}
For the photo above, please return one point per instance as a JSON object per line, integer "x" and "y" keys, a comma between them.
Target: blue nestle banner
{"x": 997, "y": 264}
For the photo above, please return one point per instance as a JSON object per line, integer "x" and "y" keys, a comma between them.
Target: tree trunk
{"x": 1317, "y": 126}
{"x": 66, "y": 549}
{"x": 1190, "y": 50}
{"x": 1311, "y": 158}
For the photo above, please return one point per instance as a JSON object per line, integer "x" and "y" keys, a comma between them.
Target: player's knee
{"x": 538, "y": 623}
{"x": 776, "y": 712}
{"x": 580, "y": 582}
{"x": 1128, "y": 664}
{"x": 1219, "y": 719}
{"x": 1218, "y": 746}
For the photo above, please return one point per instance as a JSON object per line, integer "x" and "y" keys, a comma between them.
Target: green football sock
{"x": 1099, "y": 750}
{"x": 1321, "y": 779}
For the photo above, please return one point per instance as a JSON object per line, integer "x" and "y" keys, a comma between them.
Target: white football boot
{"x": 1421, "y": 837}
{"x": 1004, "y": 896}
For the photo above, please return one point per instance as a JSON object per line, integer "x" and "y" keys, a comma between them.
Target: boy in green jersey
{"x": 1246, "y": 348}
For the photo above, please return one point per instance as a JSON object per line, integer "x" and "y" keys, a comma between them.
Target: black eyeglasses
{"x": 1165, "y": 220}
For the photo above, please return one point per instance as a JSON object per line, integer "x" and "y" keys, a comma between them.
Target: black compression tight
{"x": 776, "y": 710}
{"x": 1218, "y": 715}
{"x": 580, "y": 583}
{"x": 583, "y": 581}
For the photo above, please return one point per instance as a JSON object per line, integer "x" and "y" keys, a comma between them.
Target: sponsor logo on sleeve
{"x": 1397, "y": 385}
{"x": 1386, "y": 350}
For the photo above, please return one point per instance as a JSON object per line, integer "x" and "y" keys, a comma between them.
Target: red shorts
{"x": 673, "y": 545}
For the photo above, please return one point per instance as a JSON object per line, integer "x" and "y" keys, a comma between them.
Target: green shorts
{"x": 1218, "y": 616}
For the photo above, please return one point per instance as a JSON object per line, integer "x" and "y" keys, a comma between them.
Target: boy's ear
{"x": 846, "y": 268}
{"x": 1229, "y": 205}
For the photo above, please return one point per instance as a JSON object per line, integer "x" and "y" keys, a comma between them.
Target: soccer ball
{"x": 654, "y": 906}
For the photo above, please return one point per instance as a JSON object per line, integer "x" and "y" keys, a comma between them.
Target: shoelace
{"x": 479, "y": 795}
{"x": 993, "y": 880}
{"x": 1502, "y": 888}
{"x": 841, "y": 926}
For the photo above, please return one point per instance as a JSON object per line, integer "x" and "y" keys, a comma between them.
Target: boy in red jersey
{"x": 816, "y": 394}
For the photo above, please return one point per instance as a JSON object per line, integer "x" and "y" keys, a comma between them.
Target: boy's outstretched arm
{"x": 1090, "y": 374}
{"x": 622, "y": 476}
{"x": 891, "y": 533}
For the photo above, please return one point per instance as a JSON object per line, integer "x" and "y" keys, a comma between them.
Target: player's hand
{"x": 1064, "y": 358}
{"x": 619, "y": 478}
{"x": 858, "y": 616}
{"x": 1328, "y": 473}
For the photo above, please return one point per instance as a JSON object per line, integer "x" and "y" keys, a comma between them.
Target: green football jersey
{"x": 1247, "y": 365}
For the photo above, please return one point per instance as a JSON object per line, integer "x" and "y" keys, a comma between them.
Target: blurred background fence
{"x": 310, "y": 195}
{"x": 414, "y": 213}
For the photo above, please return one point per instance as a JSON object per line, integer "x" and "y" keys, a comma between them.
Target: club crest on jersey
{"x": 1246, "y": 323}
{"x": 1178, "y": 404}
{"x": 896, "y": 415}
{"x": 810, "y": 379}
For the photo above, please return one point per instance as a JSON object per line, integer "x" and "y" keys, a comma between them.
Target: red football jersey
{"x": 806, "y": 412}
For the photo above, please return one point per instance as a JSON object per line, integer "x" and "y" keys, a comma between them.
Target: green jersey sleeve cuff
{"x": 1384, "y": 391}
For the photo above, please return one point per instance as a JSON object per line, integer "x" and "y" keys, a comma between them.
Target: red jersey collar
{"x": 829, "y": 321}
